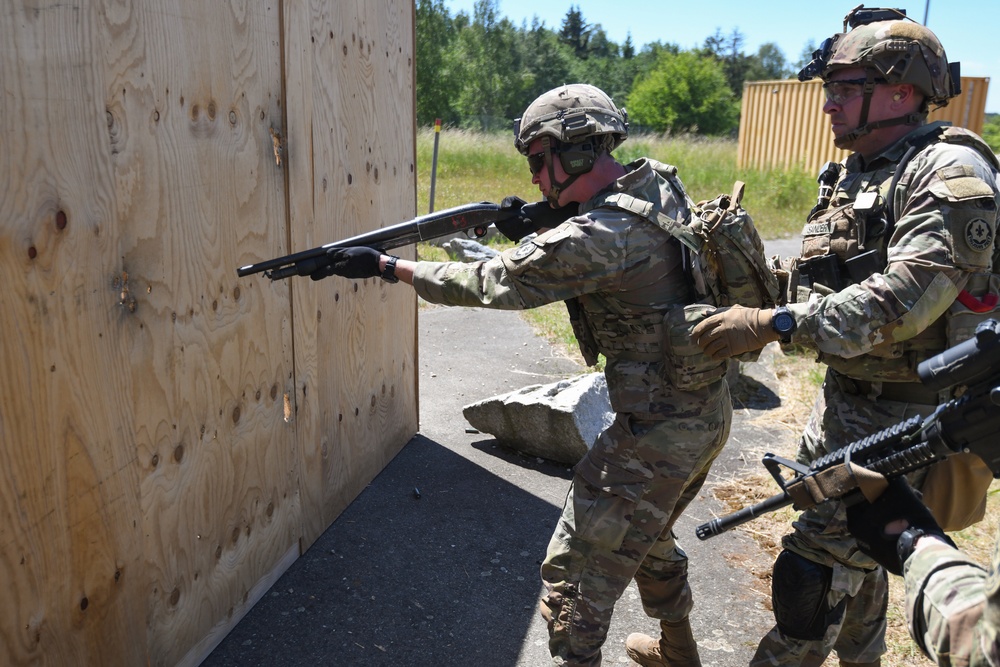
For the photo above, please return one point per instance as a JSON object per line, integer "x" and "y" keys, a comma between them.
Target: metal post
{"x": 434, "y": 161}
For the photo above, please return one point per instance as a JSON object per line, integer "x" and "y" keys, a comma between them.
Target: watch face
{"x": 783, "y": 323}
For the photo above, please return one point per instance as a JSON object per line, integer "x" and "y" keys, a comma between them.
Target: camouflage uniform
{"x": 641, "y": 472}
{"x": 953, "y": 606}
{"x": 872, "y": 334}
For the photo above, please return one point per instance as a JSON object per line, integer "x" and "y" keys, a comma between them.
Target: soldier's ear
{"x": 905, "y": 94}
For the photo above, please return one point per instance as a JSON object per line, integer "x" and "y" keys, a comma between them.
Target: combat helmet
{"x": 891, "y": 49}
{"x": 576, "y": 122}
{"x": 572, "y": 114}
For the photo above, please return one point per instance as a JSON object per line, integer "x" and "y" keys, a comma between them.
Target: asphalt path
{"x": 436, "y": 562}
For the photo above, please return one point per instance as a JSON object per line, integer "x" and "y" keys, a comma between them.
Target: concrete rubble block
{"x": 556, "y": 421}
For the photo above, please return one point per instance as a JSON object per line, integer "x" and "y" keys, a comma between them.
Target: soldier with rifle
{"x": 952, "y": 602}
{"x": 619, "y": 273}
{"x": 952, "y": 606}
{"x": 898, "y": 263}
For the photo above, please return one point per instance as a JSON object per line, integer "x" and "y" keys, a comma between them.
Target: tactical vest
{"x": 847, "y": 242}
{"x": 725, "y": 264}
{"x": 631, "y": 336}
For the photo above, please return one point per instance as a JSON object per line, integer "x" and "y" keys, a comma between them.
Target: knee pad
{"x": 798, "y": 594}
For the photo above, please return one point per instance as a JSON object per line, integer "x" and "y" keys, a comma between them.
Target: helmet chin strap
{"x": 555, "y": 187}
{"x": 864, "y": 127}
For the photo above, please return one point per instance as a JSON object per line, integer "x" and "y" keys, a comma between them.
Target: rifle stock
{"x": 474, "y": 219}
{"x": 968, "y": 423}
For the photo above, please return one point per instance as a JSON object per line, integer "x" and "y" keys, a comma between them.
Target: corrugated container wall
{"x": 782, "y": 123}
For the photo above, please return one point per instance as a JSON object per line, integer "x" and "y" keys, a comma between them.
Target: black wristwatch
{"x": 389, "y": 273}
{"x": 783, "y": 324}
{"x": 907, "y": 541}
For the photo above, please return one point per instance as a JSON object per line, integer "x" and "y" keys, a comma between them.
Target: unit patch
{"x": 979, "y": 235}
{"x": 523, "y": 251}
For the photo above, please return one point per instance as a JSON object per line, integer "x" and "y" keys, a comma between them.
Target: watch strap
{"x": 907, "y": 541}
{"x": 389, "y": 273}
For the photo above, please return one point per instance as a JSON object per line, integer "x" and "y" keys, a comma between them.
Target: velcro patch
{"x": 961, "y": 183}
{"x": 814, "y": 228}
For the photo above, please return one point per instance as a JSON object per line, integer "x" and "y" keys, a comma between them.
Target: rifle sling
{"x": 835, "y": 482}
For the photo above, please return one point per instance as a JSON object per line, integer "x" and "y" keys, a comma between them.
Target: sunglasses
{"x": 535, "y": 162}
{"x": 845, "y": 90}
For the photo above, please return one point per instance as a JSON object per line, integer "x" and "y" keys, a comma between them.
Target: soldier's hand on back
{"x": 729, "y": 332}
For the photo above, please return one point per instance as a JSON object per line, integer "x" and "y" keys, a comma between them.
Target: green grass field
{"x": 485, "y": 167}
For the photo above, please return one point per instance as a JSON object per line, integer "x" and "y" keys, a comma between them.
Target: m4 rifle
{"x": 968, "y": 423}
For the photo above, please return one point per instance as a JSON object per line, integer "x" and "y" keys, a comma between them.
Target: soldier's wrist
{"x": 926, "y": 541}
{"x": 914, "y": 539}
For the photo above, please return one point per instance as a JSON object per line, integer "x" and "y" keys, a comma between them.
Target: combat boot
{"x": 675, "y": 647}
{"x": 877, "y": 663}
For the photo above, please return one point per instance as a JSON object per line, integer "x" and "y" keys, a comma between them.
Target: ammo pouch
{"x": 687, "y": 367}
{"x": 841, "y": 246}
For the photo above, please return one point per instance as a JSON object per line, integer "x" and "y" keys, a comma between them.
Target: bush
{"x": 685, "y": 92}
{"x": 991, "y": 131}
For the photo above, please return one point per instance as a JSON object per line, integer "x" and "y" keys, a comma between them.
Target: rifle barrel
{"x": 730, "y": 521}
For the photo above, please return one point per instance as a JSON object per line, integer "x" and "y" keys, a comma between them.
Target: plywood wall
{"x": 172, "y": 436}
{"x": 351, "y": 161}
{"x": 782, "y": 123}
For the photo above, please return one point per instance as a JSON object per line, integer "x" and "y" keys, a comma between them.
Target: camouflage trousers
{"x": 820, "y": 534}
{"x": 616, "y": 525}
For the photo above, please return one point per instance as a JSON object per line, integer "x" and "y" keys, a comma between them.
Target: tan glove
{"x": 730, "y": 332}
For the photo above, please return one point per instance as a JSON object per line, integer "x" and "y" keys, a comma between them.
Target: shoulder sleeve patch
{"x": 522, "y": 251}
{"x": 541, "y": 242}
{"x": 979, "y": 235}
{"x": 553, "y": 235}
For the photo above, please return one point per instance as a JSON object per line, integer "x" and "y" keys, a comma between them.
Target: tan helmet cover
{"x": 571, "y": 114}
{"x": 901, "y": 52}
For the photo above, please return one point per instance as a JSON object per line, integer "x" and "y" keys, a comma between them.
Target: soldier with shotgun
{"x": 620, "y": 272}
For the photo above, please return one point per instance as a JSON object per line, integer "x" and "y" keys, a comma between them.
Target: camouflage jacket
{"x": 624, "y": 272}
{"x": 953, "y": 606}
{"x": 945, "y": 206}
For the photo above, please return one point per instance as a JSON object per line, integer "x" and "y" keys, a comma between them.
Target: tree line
{"x": 481, "y": 71}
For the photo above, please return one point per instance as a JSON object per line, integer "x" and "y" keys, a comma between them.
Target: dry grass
{"x": 799, "y": 378}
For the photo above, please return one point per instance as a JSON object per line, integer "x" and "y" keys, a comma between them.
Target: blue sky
{"x": 969, "y": 29}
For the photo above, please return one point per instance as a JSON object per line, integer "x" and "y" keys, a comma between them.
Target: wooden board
{"x": 351, "y": 154}
{"x": 149, "y": 473}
